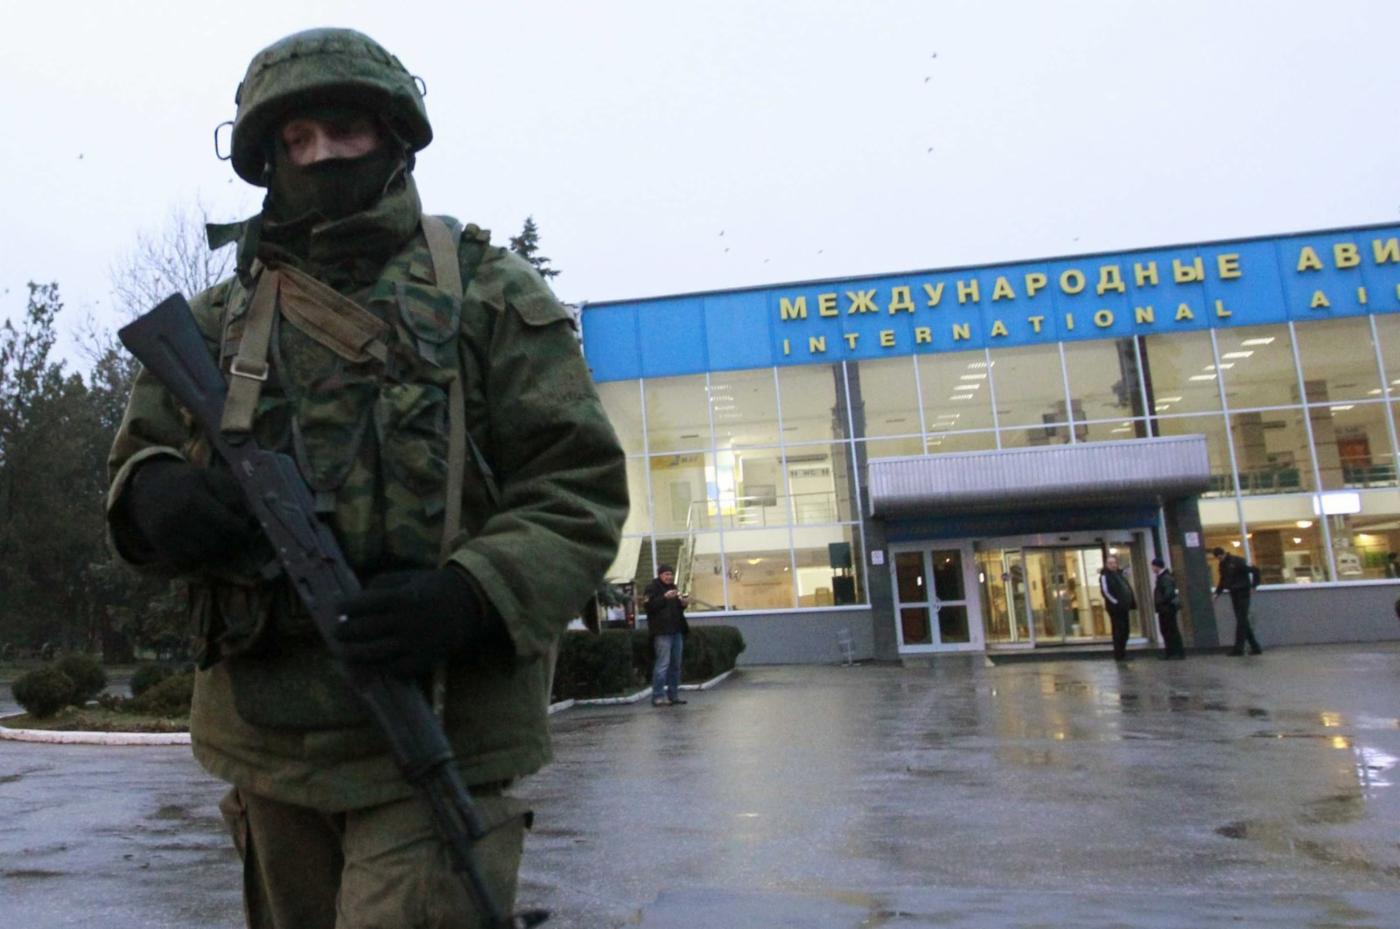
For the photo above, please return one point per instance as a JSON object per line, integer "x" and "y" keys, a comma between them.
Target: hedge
{"x": 617, "y": 662}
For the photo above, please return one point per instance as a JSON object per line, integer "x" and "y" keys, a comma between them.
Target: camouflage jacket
{"x": 371, "y": 439}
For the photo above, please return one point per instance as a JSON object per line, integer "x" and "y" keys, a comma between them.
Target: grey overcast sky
{"x": 679, "y": 145}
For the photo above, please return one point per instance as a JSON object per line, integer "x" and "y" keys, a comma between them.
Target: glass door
{"x": 1040, "y": 591}
{"x": 933, "y": 608}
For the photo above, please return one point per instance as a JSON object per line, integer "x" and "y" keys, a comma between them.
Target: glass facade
{"x": 750, "y": 476}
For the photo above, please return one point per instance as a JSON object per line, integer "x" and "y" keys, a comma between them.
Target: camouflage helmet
{"x": 316, "y": 67}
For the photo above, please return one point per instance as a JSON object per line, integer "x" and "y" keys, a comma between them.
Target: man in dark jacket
{"x": 1119, "y": 600}
{"x": 666, "y": 624}
{"x": 1166, "y": 600}
{"x": 1239, "y": 578}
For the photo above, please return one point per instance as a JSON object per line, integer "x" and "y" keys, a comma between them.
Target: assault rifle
{"x": 169, "y": 344}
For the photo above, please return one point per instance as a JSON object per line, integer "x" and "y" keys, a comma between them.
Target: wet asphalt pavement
{"x": 1211, "y": 792}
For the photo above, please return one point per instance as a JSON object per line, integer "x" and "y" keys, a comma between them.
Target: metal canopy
{"x": 1133, "y": 471}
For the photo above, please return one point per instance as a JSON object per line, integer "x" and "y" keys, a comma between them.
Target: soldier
{"x": 431, "y": 390}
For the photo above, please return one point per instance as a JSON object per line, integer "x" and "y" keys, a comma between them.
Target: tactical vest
{"x": 365, "y": 392}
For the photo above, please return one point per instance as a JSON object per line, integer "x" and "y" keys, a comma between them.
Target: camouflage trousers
{"x": 377, "y": 868}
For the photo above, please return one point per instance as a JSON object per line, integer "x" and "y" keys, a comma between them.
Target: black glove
{"x": 189, "y": 516}
{"x": 408, "y": 621}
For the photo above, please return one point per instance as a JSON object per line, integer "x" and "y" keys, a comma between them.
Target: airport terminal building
{"x": 939, "y": 461}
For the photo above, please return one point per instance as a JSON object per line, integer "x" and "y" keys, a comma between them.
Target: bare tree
{"x": 176, "y": 258}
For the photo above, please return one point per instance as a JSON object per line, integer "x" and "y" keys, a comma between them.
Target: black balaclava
{"x": 329, "y": 190}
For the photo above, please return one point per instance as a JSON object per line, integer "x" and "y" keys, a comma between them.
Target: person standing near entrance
{"x": 1239, "y": 578}
{"x": 668, "y": 628}
{"x": 1118, "y": 598}
{"x": 1166, "y": 600}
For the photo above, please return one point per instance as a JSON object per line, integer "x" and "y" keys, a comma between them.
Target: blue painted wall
{"x": 1248, "y": 282}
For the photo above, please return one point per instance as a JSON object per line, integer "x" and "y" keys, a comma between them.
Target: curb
{"x": 633, "y": 698}
{"x": 53, "y": 737}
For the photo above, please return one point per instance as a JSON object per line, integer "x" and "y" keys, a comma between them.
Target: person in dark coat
{"x": 1239, "y": 578}
{"x": 666, "y": 624}
{"x": 1166, "y": 600}
{"x": 1119, "y": 599}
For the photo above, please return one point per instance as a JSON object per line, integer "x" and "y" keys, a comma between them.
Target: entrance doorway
{"x": 935, "y": 591}
{"x": 1040, "y": 591}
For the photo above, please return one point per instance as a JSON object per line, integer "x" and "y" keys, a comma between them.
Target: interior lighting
{"x": 978, "y": 364}
{"x": 1202, "y": 377}
{"x": 1219, "y": 367}
{"x": 962, "y": 397}
{"x": 1375, "y": 392}
{"x": 1168, "y": 399}
{"x": 1297, "y": 540}
{"x": 1342, "y": 407}
{"x": 1163, "y": 406}
{"x": 967, "y": 386}
{"x": 1267, "y": 340}
{"x": 972, "y": 377}
{"x": 1237, "y": 354}
{"x": 1236, "y": 543}
{"x": 1304, "y": 524}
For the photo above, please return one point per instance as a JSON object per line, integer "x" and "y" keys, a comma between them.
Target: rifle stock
{"x": 169, "y": 345}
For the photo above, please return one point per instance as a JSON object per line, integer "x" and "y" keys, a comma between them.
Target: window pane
{"x": 1220, "y": 526}
{"x": 1388, "y": 328}
{"x": 940, "y": 442}
{"x": 1364, "y": 541}
{"x": 639, "y": 513}
{"x": 814, "y": 403}
{"x": 1257, "y": 364}
{"x": 1271, "y": 450}
{"x": 1285, "y": 540}
{"x": 828, "y": 566}
{"x": 745, "y": 407}
{"x": 1110, "y": 431}
{"x": 623, "y": 402}
{"x": 1103, "y": 379}
{"x": 1339, "y": 359}
{"x": 683, "y": 491}
{"x": 633, "y": 556}
{"x": 678, "y": 415}
{"x": 886, "y": 388}
{"x": 1353, "y": 445}
{"x": 954, "y": 391}
{"x": 1217, "y": 446}
{"x": 760, "y": 570}
{"x": 804, "y": 465}
{"x": 817, "y": 494}
{"x": 1172, "y": 365}
{"x": 761, "y": 496}
{"x": 895, "y": 448}
{"x": 1030, "y": 387}
{"x": 707, "y": 573}
{"x": 1048, "y": 434}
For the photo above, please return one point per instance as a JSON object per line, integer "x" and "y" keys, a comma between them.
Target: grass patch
{"x": 96, "y": 719}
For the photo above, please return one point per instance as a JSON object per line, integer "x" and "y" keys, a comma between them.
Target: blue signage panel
{"x": 1146, "y": 292}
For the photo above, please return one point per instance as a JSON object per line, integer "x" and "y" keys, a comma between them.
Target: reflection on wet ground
{"x": 1199, "y": 793}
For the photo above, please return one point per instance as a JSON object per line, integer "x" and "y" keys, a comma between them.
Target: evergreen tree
{"x": 527, "y": 245}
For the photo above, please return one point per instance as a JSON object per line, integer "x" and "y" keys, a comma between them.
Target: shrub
{"x": 149, "y": 675}
{"x": 709, "y": 652}
{"x": 43, "y": 691}
{"x": 170, "y": 697}
{"x": 87, "y": 676}
{"x": 594, "y": 665}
